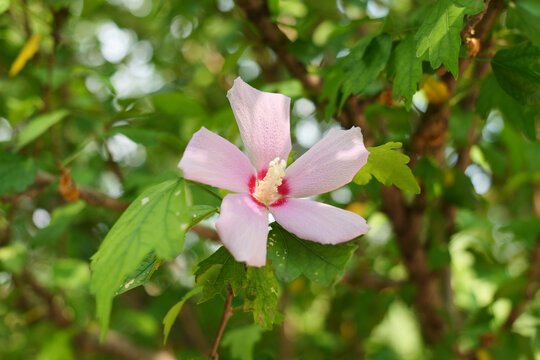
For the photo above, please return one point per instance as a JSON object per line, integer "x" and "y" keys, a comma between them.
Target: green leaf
{"x": 16, "y": 172}
{"x": 471, "y": 6}
{"x": 439, "y": 35}
{"x": 61, "y": 218}
{"x": 517, "y": 71}
{"x": 262, "y": 296}
{"x": 4, "y": 5}
{"x": 141, "y": 275}
{"x": 200, "y": 212}
{"x": 365, "y": 62}
{"x": 217, "y": 272}
{"x": 38, "y": 126}
{"x": 13, "y": 257}
{"x": 292, "y": 256}
{"x": 523, "y": 15}
{"x": 172, "y": 314}
{"x": 242, "y": 341}
{"x": 156, "y": 221}
{"x": 408, "y": 69}
{"x": 389, "y": 167}
{"x": 491, "y": 96}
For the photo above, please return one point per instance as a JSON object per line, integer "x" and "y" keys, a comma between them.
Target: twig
{"x": 258, "y": 13}
{"x": 91, "y": 196}
{"x": 227, "y": 313}
{"x": 529, "y": 290}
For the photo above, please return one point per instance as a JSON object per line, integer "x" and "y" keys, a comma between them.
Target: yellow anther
{"x": 266, "y": 190}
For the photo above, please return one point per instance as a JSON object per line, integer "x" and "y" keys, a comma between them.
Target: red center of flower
{"x": 269, "y": 187}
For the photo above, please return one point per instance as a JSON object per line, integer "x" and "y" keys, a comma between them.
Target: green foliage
{"x": 172, "y": 314}
{"x": 13, "y": 257}
{"x": 524, "y": 15}
{"x": 365, "y": 62}
{"x": 156, "y": 221}
{"x": 61, "y": 219}
{"x": 37, "y": 126}
{"x": 389, "y": 167}
{"x": 242, "y": 340}
{"x": 219, "y": 271}
{"x": 408, "y": 70}
{"x": 292, "y": 257}
{"x": 517, "y": 71}
{"x": 114, "y": 90}
{"x": 4, "y": 5}
{"x": 141, "y": 275}
{"x": 492, "y": 96}
{"x": 439, "y": 35}
{"x": 16, "y": 172}
{"x": 262, "y": 296}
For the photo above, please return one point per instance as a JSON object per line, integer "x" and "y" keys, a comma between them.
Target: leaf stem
{"x": 204, "y": 189}
{"x": 227, "y": 313}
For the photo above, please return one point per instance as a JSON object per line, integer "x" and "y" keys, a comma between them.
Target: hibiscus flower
{"x": 263, "y": 184}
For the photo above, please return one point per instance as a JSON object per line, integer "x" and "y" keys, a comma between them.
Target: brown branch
{"x": 91, "y": 196}
{"x": 227, "y": 313}
{"x": 530, "y": 289}
{"x": 55, "y": 313}
{"x": 206, "y": 232}
{"x": 259, "y": 15}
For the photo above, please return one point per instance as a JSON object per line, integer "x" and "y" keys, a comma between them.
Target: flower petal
{"x": 212, "y": 160}
{"x": 315, "y": 221}
{"x": 329, "y": 164}
{"x": 243, "y": 228}
{"x": 263, "y": 120}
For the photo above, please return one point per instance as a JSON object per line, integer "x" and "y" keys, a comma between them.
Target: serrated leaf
{"x": 491, "y": 96}
{"x": 217, "y": 272}
{"x": 141, "y": 275}
{"x": 262, "y": 296}
{"x": 172, "y": 314}
{"x": 408, "y": 69}
{"x": 292, "y": 256}
{"x": 389, "y": 167}
{"x": 242, "y": 341}
{"x": 439, "y": 35}
{"x": 517, "y": 71}
{"x": 523, "y": 15}
{"x": 16, "y": 172}
{"x": 38, "y": 126}
{"x": 155, "y": 221}
{"x": 365, "y": 62}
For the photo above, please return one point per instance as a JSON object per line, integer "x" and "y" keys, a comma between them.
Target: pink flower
{"x": 263, "y": 183}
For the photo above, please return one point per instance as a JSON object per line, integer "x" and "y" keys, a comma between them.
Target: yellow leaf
{"x": 27, "y": 52}
{"x": 436, "y": 91}
{"x": 357, "y": 207}
{"x": 482, "y": 354}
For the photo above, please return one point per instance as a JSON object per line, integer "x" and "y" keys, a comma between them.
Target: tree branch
{"x": 259, "y": 15}
{"x": 227, "y": 313}
{"x": 529, "y": 290}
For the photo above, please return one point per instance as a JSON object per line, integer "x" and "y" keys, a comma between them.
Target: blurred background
{"x": 98, "y": 100}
